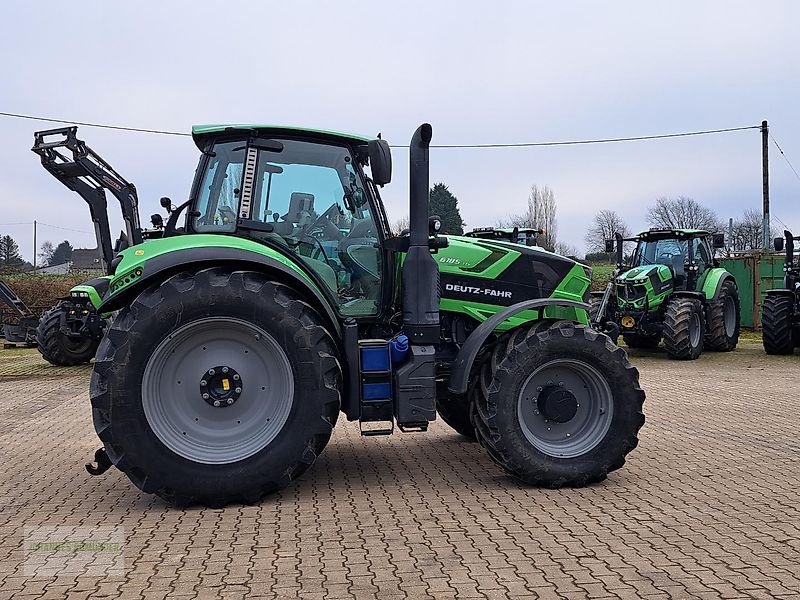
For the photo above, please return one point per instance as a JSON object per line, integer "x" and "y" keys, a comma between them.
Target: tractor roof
{"x": 201, "y": 132}
{"x": 661, "y": 234}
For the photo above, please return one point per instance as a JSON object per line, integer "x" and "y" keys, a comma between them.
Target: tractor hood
{"x": 640, "y": 274}
{"x": 502, "y": 273}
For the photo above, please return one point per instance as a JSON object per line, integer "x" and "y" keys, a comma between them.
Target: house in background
{"x": 86, "y": 260}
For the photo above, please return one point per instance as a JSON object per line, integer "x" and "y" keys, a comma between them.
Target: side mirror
{"x": 434, "y": 225}
{"x": 380, "y": 161}
{"x": 166, "y": 204}
{"x": 778, "y": 244}
{"x": 718, "y": 240}
{"x": 609, "y": 246}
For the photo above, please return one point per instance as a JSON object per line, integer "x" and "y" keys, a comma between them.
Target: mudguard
{"x": 156, "y": 268}
{"x": 712, "y": 285}
{"x": 459, "y": 374}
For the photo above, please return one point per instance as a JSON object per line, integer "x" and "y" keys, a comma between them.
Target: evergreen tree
{"x": 61, "y": 254}
{"x": 445, "y": 205}
{"x": 9, "y": 253}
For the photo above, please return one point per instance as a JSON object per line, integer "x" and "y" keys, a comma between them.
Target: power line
{"x": 64, "y": 228}
{"x": 87, "y": 124}
{"x": 442, "y": 146}
{"x": 597, "y": 141}
{"x": 783, "y": 154}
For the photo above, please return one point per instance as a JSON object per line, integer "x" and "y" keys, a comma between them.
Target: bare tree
{"x": 747, "y": 232}
{"x": 604, "y": 225}
{"x": 46, "y": 253}
{"x": 400, "y": 224}
{"x": 682, "y": 213}
{"x": 565, "y": 249}
{"x": 540, "y": 214}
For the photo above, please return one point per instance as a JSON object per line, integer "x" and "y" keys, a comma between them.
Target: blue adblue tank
{"x": 398, "y": 346}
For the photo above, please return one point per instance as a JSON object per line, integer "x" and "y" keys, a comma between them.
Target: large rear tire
{"x": 216, "y": 386}
{"x": 58, "y": 349}
{"x": 684, "y": 328}
{"x": 722, "y": 315}
{"x": 563, "y": 407}
{"x": 776, "y": 321}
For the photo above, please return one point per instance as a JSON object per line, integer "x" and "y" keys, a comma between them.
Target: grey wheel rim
{"x": 729, "y": 313}
{"x": 694, "y": 330}
{"x": 593, "y": 406}
{"x": 189, "y": 424}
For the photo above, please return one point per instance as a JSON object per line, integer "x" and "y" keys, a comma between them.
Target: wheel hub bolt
{"x": 206, "y": 396}
{"x": 216, "y": 403}
{"x": 224, "y": 369}
{"x": 203, "y": 382}
{"x": 230, "y": 400}
{"x": 539, "y": 389}
{"x": 238, "y": 390}
{"x": 236, "y": 377}
{"x": 211, "y": 372}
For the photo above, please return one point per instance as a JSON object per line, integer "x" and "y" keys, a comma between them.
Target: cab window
{"x": 218, "y": 196}
{"x": 314, "y": 198}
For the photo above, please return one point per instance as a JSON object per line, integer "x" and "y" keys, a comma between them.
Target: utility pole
{"x": 34, "y": 244}
{"x": 765, "y": 230}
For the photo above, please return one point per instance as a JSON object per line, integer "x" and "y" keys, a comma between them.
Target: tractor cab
{"x": 682, "y": 251}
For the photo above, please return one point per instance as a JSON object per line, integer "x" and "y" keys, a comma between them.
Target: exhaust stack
{"x": 421, "y": 286}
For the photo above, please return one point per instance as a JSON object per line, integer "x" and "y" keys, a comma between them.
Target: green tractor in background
{"x": 283, "y": 299}
{"x": 781, "y": 314}
{"x": 673, "y": 289}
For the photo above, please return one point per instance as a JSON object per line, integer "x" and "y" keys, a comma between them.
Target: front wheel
{"x": 563, "y": 408}
{"x": 684, "y": 329}
{"x": 776, "y": 322}
{"x": 59, "y": 349}
{"x": 216, "y": 386}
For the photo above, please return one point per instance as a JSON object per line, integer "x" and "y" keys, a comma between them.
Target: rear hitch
{"x": 101, "y": 463}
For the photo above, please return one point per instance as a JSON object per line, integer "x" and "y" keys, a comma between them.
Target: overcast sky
{"x": 479, "y": 72}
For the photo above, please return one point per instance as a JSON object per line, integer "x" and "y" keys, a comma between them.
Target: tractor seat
{"x": 299, "y": 214}
{"x": 678, "y": 269}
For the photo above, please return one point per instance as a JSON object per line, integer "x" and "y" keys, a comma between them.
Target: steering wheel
{"x": 323, "y": 227}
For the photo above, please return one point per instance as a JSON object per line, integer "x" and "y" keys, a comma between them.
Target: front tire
{"x": 172, "y": 361}
{"x": 58, "y": 349}
{"x": 684, "y": 329}
{"x": 722, "y": 333}
{"x": 776, "y": 321}
{"x": 563, "y": 408}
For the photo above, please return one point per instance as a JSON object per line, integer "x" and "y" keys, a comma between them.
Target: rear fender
{"x": 160, "y": 267}
{"x": 712, "y": 285}
{"x": 459, "y": 374}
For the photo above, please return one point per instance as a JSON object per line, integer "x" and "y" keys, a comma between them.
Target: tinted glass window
{"x": 218, "y": 196}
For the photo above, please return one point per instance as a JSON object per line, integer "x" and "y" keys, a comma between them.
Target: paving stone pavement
{"x": 706, "y": 507}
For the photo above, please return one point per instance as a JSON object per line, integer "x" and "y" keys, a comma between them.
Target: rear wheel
{"x": 563, "y": 408}
{"x": 722, "y": 332}
{"x": 776, "y": 321}
{"x": 648, "y": 342}
{"x": 217, "y": 386}
{"x": 59, "y": 349}
{"x": 684, "y": 329}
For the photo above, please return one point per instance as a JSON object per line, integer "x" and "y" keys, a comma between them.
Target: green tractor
{"x": 781, "y": 315}
{"x": 70, "y": 332}
{"x": 284, "y": 299}
{"x": 525, "y": 236}
{"x": 673, "y": 289}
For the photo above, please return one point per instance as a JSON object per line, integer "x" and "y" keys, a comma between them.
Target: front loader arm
{"x": 79, "y": 168}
